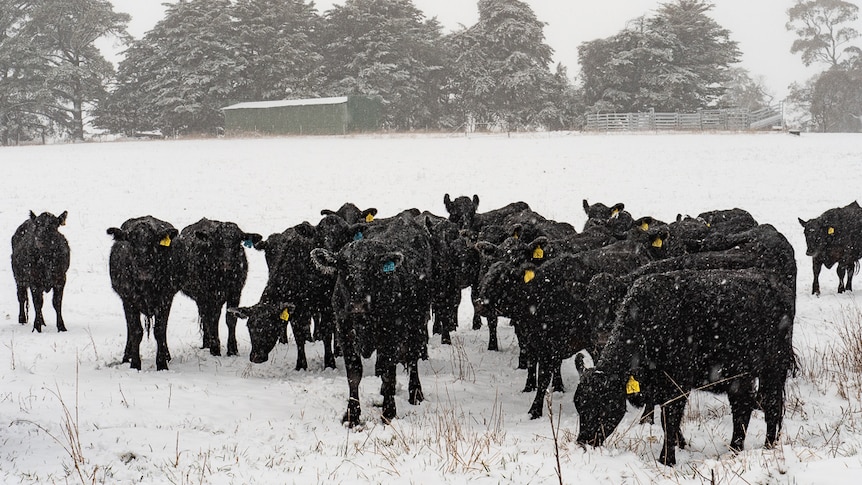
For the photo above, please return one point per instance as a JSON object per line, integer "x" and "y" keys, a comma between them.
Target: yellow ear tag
{"x": 614, "y": 212}
{"x": 285, "y": 315}
{"x": 633, "y": 386}
{"x": 529, "y": 275}
{"x": 166, "y": 241}
{"x": 644, "y": 227}
{"x": 657, "y": 243}
{"x": 369, "y": 217}
{"x": 830, "y": 231}
{"x": 538, "y": 253}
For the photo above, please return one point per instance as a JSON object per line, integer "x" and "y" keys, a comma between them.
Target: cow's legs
{"x": 772, "y": 402}
{"x": 492, "y": 334}
{"x": 209, "y": 315}
{"x": 741, "y": 404}
{"x": 134, "y": 335}
{"x": 57, "y": 301}
{"x": 414, "y": 388}
{"x": 38, "y": 301}
{"x": 841, "y": 270}
{"x": 301, "y": 333}
{"x": 22, "y": 304}
{"x": 230, "y": 320}
{"x": 545, "y": 374}
{"x": 849, "y": 285}
{"x": 387, "y": 389}
{"x": 323, "y": 327}
{"x": 815, "y": 286}
{"x": 160, "y": 330}
{"x": 353, "y": 366}
{"x": 671, "y": 421}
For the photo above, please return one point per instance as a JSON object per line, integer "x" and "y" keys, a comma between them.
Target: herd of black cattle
{"x": 704, "y": 302}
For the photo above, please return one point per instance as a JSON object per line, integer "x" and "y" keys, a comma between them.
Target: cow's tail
{"x": 148, "y": 324}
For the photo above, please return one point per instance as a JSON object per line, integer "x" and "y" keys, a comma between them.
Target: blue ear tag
{"x": 357, "y": 236}
{"x": 248, "y": 243}
{"x": 389, "y": 267}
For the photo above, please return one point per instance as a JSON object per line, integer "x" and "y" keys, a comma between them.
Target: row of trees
{"x": 206, "y": 54}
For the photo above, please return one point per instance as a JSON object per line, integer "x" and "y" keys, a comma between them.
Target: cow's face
{"x": 817, "y": 236}
{"x": 367, "y": 273}
{"x": 600, "y": 402}
{"x": 601, "y": 211}
{"x": 462, "y": 210}
{"x": 222, "y": 244}
{"x": 45, "y": 227}
{"x": 266, "y": 323}
{"x": 146, "y": 239}
{"x": 502, "y": 286}
{"x": 333, "y": 232}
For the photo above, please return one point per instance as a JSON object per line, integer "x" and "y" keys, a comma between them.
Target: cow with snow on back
{"x": 215, "y": 272}
{"x": 721, "y": 331}
{"x": 381, "y": 301}
{"x": 835, "y": 237}
{"x": 40, "y": 259}
{"x": 146, "y": 272}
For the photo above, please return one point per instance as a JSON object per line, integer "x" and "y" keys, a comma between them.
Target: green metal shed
{"x": 317, "y": 116}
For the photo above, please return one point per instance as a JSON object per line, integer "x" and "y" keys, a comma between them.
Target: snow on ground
{"x": 71, "y": 413}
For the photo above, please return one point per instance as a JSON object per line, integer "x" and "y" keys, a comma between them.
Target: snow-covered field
{"x": 70, "y": 413}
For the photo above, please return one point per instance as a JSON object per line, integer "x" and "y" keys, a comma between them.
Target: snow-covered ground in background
{"x": 223, "y": 420}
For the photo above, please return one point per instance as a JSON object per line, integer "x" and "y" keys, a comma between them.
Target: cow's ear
{"x": 368, "y": 214}
{"x": 617, "y": 208}
{"x": 306, "y": 229}
{"x": 803, "y": 223}
{"x": 327, "y": 212}
{"x": 586, "y": 207}
{"x": 251, "y": 239}
{"x": 391, "y": 261}
{"x": 32, "y": 216}
{"x": 324, "y": 260}
{"x": 475, "y": 201}
{"x": 488, "y": 249}
{"x": 447, "y": 202}
{"x": 168, "y": 238}
{"x": 537, "y": 246}
{"x": 202, "y": 235}
{"x": 62, "y": 218}
{"x": 517, "y": 231}
{"x": 119, "y": 234}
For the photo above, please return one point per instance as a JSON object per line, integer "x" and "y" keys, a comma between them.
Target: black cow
{"x": 40, "y": 259}
{"x": 295, "y": 292}
{"x": 216, "y": 269}
{"x": 146, "y": 272}
{"x": 728, "y": 221}
{"x": 477, "y": 227}
{"x": 615, "y": 217}
{"x": 723, "y": 331}
{"x": 381, "y": 301}
{"x": 548, "y": 316}
{"x": 548, "y": 320}
{"x": 351, "y": 214}
{"x": 835, "y": 237}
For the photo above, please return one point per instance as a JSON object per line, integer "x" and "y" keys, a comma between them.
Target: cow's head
{"x": 147, "y": 235}
{"x": 462, "y": 210}
{"x": 223, "y": 241}
{"x": 351, "y": 214}
{"x": 266, "y": 323}
{"x": 818, "y": 235}
{"x": 600, "y": 402}
{"x": 503, "y": 287}
{"x": 366, "y": 273}
{"x": 45, "y": 227}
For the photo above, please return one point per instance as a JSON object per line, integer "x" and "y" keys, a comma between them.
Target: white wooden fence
{"x": 734, "y": 119}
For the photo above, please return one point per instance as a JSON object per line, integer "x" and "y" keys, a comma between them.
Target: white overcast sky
{"x": 757, "y": 25}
